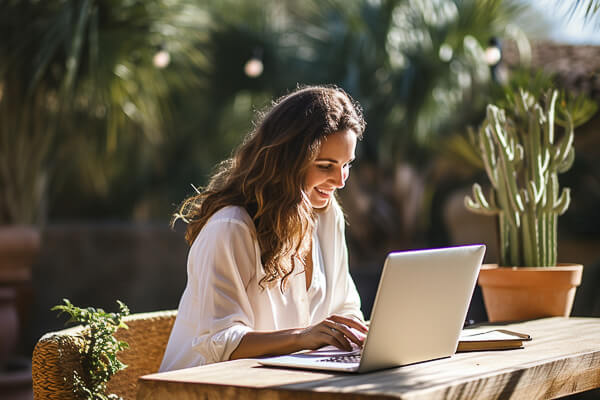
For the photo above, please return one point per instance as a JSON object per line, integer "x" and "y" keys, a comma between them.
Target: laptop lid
{"x": 419, "y": 311}
{"x": 421, "y": 304}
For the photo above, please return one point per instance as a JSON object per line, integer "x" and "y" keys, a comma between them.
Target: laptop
{"x": 419, "y": 311}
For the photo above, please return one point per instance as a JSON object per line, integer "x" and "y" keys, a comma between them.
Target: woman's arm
{"x": 336, "y": 330}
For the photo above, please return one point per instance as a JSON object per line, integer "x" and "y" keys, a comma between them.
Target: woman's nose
{"x": 340, "y": 178}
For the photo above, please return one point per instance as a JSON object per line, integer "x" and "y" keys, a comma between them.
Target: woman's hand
{"x": 335, "y": 330}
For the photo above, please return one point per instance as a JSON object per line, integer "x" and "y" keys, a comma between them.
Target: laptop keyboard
{"x": 352, "y": 358}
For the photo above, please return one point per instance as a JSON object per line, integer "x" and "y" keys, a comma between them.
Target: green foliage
{"x": 78, "y": 83}
{"x": 100, "y": 360}
{"x": 536, "y": 82}
{"x": 523, "y": 156}
{"x": 461, "y": 148}
{"x": 591, "y": 9}
{"x": 417, "y": 67}
{"x": 129, "y": 138}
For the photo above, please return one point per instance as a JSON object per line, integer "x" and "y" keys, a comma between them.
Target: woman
{"x": 267, "y": 268}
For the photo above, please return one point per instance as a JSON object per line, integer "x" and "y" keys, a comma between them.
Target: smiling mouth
{"x": 323, "y": 192}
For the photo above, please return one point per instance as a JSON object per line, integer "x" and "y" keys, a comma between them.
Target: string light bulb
{"x": 161, "y": 59}
{"x": 254, "y": 67}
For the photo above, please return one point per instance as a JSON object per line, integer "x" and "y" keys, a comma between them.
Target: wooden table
{"x": 562, "y": 358}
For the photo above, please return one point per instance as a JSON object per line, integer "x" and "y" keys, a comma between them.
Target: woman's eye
{"x": 324, "y": 167}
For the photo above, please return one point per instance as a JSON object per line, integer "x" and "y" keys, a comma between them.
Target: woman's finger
{"x": 343, "y": 332}
{"x": 354, "y": 323}
{"x": 336, "y": 338}
{"x": 346, "y": 332}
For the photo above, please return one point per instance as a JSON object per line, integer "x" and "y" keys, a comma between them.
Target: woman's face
{"x": 331, "y": 168}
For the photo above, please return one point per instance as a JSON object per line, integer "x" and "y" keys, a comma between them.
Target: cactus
{"x": 522, "y": 159}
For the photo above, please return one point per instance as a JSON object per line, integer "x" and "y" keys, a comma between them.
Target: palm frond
{"x": 591, "y": 10}
{"x": 81, "y": 64}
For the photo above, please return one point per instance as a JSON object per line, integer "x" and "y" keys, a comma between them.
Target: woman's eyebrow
{"x": 331, "y": 160}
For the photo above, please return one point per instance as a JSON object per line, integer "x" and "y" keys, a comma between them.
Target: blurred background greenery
{"x": 110, "y": 110}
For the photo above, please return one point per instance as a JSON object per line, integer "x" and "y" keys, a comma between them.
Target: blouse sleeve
{"x": 220, "y": 267}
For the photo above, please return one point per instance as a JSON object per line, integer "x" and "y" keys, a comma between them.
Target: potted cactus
{"x": 523, "y": 156}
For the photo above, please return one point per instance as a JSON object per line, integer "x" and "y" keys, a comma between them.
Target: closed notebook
{"x": 495, "y": 339}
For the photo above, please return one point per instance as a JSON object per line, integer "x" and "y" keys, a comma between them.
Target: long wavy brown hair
{"x": 266, "y": 174}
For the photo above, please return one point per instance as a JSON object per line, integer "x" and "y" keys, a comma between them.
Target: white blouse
{"x": 223, "y": 300}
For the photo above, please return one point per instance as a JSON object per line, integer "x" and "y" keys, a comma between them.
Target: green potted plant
{"x": 523, "y": 155}
{"x": 99, "y": 349}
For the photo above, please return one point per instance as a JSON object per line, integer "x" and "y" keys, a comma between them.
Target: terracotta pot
{"x": 522, "y": 293}
{"x": 9, "y": 324}
{"x": 19, "y": 245}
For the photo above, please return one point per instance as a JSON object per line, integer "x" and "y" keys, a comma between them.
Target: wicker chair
{"x": 56, "y": 356}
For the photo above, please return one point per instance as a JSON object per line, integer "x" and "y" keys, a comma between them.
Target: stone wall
{"x": 143, "y": 265}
